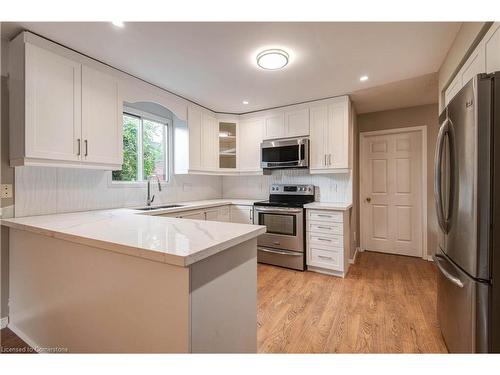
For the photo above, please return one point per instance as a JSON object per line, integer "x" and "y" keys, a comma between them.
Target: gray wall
{"x": 400, "y": 118}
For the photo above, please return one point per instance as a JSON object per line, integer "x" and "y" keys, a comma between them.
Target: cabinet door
{"x": 209, "y": 142}
{"x": 194, "y": 129}
{"x": 52, "y": 105}
{"x": 297, "y": 123}
{"x": 197, "y": 215}
{"x": 274, "y": 126}
{"x": 242, "y": 214}
{"x": 318, "y": 128}
{"x": 452, "y": 89}
{"x": 212, "y": 215}
{"x": 250, "y": 137}
{"x": 492, "y": 49}
{"x": 475, "y": 64}
{"x": 102, "y": 112}
{"x": 338, "y": 135}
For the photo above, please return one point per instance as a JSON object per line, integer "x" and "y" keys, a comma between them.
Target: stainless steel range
{"x": 283, "y": 215}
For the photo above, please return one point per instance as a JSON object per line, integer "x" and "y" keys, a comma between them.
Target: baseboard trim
{"x": 37, "y": 348}
{"x": 429, "y": 258}
{"x": 353, "y": 260}
{"x": 4, "y": 322}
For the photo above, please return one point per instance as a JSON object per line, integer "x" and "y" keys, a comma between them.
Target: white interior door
{"x": 391, "y": 193}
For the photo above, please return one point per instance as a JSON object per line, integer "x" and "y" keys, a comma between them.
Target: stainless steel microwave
{"x": 285, "y": 153}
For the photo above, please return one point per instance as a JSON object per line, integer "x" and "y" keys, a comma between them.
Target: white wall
{"x": 47, "y": 190}
{"x": 330, "y": 188}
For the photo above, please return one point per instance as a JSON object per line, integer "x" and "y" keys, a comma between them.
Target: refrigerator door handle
{"x": 446, "y": 131}
{"x": 438, "y": 191}
{"x": 449, "y": 276}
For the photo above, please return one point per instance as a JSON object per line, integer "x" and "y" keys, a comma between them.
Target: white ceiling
{"x": 213, "y": 64}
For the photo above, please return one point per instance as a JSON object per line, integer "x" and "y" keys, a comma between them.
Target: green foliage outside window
{"x": 153, "y": 149}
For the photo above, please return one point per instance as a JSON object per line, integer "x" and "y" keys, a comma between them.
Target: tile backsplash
{"x": 47, "y": 190}
{"x": 329, "y": 187}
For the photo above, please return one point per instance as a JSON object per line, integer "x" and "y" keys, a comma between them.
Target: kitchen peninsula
{"x": 121, "y": 281}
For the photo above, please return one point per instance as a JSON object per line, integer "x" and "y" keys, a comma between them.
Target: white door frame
{"x": 362, "y": 135}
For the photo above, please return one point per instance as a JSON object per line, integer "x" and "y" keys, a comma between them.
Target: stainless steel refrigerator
{"x": 466, "y": 186}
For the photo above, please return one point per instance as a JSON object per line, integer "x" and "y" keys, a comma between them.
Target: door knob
{"x": 368, "y": 199}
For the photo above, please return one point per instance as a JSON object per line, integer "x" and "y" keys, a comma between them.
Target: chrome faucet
{"x": 150, "y": 198}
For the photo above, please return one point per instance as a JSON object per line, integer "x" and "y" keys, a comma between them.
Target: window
{"x": 145, "y": 147}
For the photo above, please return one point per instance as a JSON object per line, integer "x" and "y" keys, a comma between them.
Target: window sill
{"x": 134, "y": 184}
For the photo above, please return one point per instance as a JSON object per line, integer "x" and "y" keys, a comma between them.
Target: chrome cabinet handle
{"x": 324, "y": 239}
{"x": 449, "y": 276}
{"x": 79, "y": 141}
{"x": 86, "y": 147}
{"x": 329, "y": 159}
{"x": 325, "y": 161}
{"x": 321, "y": 227}
{"x": 321, "y": 215}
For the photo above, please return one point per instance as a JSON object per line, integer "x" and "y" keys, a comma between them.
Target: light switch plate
{"x": 6, "y": 191}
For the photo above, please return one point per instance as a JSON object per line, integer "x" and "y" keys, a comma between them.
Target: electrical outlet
{"x": 6, "y": 191}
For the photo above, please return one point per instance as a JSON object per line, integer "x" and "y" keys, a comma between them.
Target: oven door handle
{"x": 279, "y": 210}
{"x": 281, "y": 252}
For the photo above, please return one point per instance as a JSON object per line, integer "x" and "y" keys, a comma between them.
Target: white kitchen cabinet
{"x": 286, "y": 124}
{"x": 274, "y": 125}
{"x": 62, "y": 112}
{"x": 492, "y": 48}
{"x": 242, "y": 214}
{"x": 195, "y": 215}
{"x": 52, "y": 105}
{"x": 475, "y": 64}
{"x": 203, "y": 141}
{"x": 453, "y": 88}
{"x": 330, "y": 136}
{"x": 248, "y": 146}
{"x": 297, "y": 122}
{"x": 194, "y": 129}
{"x": 327, "y": 241}
{"x": 102, "y": 109}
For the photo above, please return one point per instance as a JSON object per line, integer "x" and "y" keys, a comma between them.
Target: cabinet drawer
{"x": 325, "y": 258}
{"x": 326, "y": 240}
{"x": 323, "y": 227}
{"x": 328, "y": 216}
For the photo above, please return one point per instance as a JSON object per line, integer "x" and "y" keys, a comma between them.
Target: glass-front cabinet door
{"x": 227, "y": 145}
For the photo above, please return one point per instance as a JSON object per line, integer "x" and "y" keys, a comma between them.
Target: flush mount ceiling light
{"x": 245, "y": 102}
{"x": 272, "y": 59}
{"x": 363, "y": 78}
{"x": 118, "y": 23}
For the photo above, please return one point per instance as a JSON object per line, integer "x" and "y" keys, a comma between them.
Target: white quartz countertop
{"x": 338, "y": 206}
{"x": 198, "y": 205}
{"x": 174, "y": 241}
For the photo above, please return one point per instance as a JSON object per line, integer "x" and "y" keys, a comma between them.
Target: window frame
{"x": 167, "y": 144}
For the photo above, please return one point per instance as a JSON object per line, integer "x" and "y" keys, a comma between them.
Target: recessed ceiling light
{"x": 118, "y": 23}
{"x": 245, "y": 101}
{"x": 363, "y": 78}
{"x": 272, "y": 59}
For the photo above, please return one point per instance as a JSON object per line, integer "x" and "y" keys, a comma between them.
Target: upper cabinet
{"x": 203, "y": 141}
{"x": 331, "y": 136}
{"x": 63, "y": 113}
{"x": 484, "y": 59}
{"x": 249, "y": 139}
{"x": 101, "y": 118}
{"x": 286, "y": 123}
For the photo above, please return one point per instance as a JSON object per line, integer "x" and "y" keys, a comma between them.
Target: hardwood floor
{"x": 10, "y": 343}
{"x": 386, "y": 304}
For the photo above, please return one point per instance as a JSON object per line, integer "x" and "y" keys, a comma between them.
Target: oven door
{"x": 289, "y": 153}
{"x": 285, "y": 228}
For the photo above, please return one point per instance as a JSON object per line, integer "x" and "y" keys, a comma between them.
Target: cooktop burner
{"x": 288, "y": 196}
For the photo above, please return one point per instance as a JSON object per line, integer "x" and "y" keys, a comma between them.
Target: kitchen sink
{"x": 152, "y": 208}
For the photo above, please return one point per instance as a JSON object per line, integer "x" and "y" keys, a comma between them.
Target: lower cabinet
{"x": 242, "y": 214}
{"x": 226, "y": 213}
{"x": 327, "y": 237}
